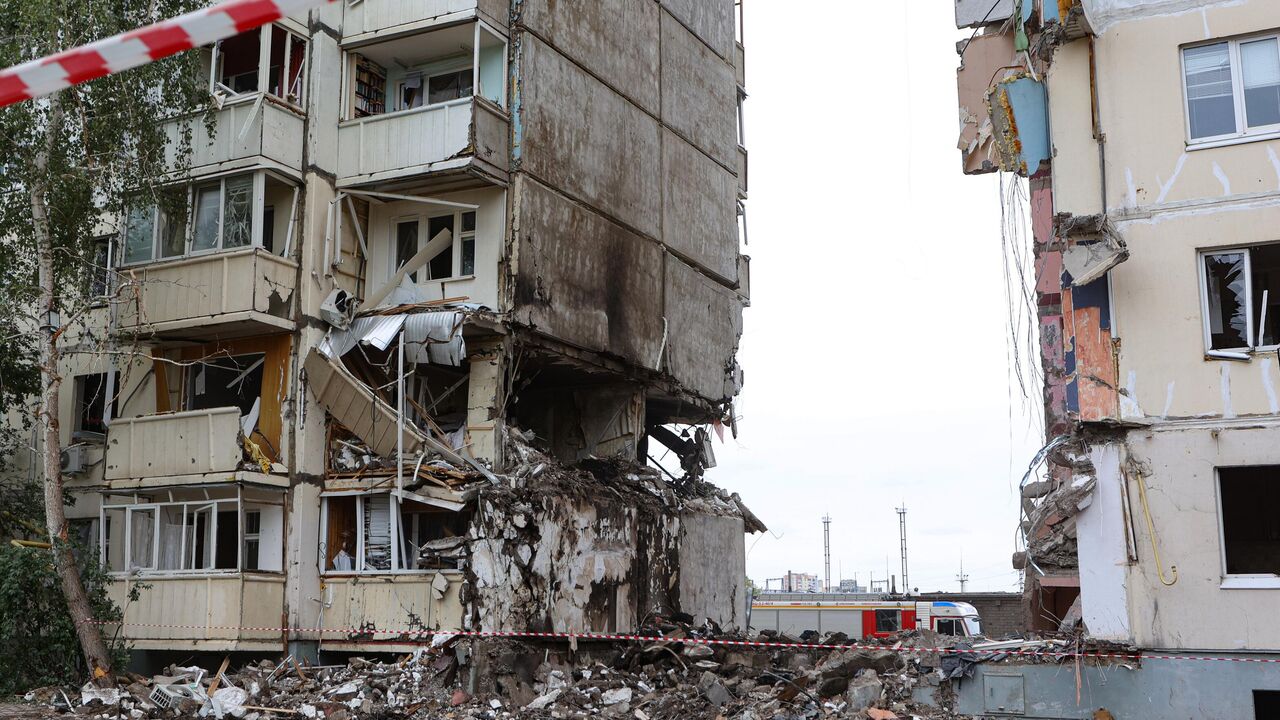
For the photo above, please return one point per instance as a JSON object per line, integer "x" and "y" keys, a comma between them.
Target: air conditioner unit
{"x": 75, "y": 460}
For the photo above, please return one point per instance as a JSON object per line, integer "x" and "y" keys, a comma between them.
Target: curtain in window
{"x": 1210, "y": 102}
{"x": 141, "y": 538}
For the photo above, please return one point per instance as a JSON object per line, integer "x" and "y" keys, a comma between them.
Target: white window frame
{"x": 424, "y": 225}
{"x": 264, "y": 68}
{"x": 1243, "y": 132}
{"x": 1251, "y": 331}
{"x": 1244, "y": 581}
{"x": 256, "y": 214}
{"x": 188, "y": 508}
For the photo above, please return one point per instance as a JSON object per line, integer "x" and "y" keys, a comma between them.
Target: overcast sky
{"x": 875, "y": 347}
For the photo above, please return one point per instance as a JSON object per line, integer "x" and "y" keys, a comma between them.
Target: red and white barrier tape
{"x": 139, "y": 47}
{"x": 424, "y": 635}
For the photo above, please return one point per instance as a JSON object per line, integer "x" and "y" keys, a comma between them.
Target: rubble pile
{"x": 672, "y": 677}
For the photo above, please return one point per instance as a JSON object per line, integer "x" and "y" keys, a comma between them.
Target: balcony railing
{"x": 249, "y": 131}
{"x": 392, "y": 603}
{"x": 193, "y": 442}
{"x": 220, "y": 294}
{"x": 448, "y": 136}
{"x": 217, "y": 612}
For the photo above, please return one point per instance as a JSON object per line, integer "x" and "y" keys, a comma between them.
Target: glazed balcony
{"x": 251, "y": 131}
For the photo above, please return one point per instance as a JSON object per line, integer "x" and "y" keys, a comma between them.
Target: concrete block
{"x": 699, "y": 93}
{"x": 699, "y": 215}
{"x": 711, "y": 20}
{"x": 600, "y": 148}
{"x": 704, "y": 323}
{"x": 615, "y": 39}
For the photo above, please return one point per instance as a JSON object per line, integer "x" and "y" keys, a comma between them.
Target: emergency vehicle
{"x": 789, "y": 614}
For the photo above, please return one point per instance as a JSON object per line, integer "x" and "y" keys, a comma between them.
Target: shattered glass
{"x": 1226, "y": 286}
{"x": 237, "y": 216}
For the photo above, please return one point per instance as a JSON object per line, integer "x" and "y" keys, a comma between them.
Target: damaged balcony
{"x": 226, "y": 425}
{"x": 208, "y": 261}
{"x": 211, "y": 560}
{"x": 433, "y": 103}
{"x": 256, "y": 81}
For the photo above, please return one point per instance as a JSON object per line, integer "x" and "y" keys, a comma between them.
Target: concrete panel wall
{"x": 698, "y": 93}
{"x": 601, "y": 35}
{"x": 584, "y": 279}
{"x": 699, "y": 219}
{"x": 711, "y": 20}
{"x": 1076, "y": 170}
{"x": 599, "y": 148}
{"x": 713, "y": 569}
{"x": 1157, "y": 314}
{"x": 704, "y": 323}
{"x": 1195, "y": 612}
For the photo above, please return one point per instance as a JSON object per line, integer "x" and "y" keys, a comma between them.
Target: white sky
{"x": 875, "y": 347}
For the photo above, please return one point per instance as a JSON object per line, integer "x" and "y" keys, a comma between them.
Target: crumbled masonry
{"x": 668, "y": 678}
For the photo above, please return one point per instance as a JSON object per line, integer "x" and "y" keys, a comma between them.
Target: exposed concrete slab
{"x": 704, "y": 322}
{"x": 698, "y": 93}
{"x": 713, "y": 568}
{"x": 601, "y": 35}
{"x": 599, "y": 148}
{"x": 711, "y": 20}
{"x": 584, "y": 279}
{"x": 699, "y": 216}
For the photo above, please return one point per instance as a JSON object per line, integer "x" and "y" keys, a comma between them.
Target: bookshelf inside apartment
{"x": 371, "y": 88}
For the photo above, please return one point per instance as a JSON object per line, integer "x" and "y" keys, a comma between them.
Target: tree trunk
{"x": 96, "y": 655}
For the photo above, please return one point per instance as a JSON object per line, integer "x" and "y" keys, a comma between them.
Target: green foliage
{"x": 38, "y": 644}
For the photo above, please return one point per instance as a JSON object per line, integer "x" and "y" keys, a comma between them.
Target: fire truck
{"x": 794, "y": 613}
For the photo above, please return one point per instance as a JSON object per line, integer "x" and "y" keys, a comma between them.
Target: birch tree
{"x": 70, "y": 164}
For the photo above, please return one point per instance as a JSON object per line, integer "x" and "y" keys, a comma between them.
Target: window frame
{"x": 188, "y": 509}
{"x": 1243, "y": 132}
{"x": 1235, "y": 581}
{"x": 264, "y": 68}
{"x": 396, "y": 533}
{"x": 257, "y": 217}
{"x": 424, "y": 225}
{"x": 1252, "y": 319}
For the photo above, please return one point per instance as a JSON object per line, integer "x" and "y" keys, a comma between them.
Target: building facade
{"x": 435, "y": 282}
{"x": 1148, "y": 131}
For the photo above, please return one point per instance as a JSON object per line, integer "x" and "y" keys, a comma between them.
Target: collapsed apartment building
{"x": 442, "y": 278}
{"x": 1147, "y": 130}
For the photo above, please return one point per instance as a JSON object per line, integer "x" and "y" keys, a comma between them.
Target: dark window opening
{"x": 420, "y": 526}
{"x": 238, "y": 60}
{"x": 226, "y": 382}
{"x": 1264, "y": 268}
{"x": 406, "y": 244}
{"x": 449, "y": 86}
{"x": 252, "y": 538}
{"x": 1242, "y": 297}
{"x": 441, "y": 264}
{"x": 1266, "y": 704}
{"x": 951, "y": 627}
{"x": 888, "y": 621}
{"x": 1251, "y": 519}
{"x": 99, "y": 270}
{"x": 269, "y": 229}
{"x": 91, "y": 403}
{"x": 468, "y": 260}
{"x": 340, "y": 539}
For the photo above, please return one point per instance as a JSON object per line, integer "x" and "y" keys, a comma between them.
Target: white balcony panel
{"x": 242, "y": 292}
{"x": 405, "y": 143}
{"x": 396, "y": 603}
{"x": 245, "y": 133}
{"x": 378, "y": 18}
{"x": 216, "y": 612}
{"x": 183, "y": 443}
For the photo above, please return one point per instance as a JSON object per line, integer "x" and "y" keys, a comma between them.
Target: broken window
{"x": 226, "y": 382}
{"x": 237, "y": 68}
{"x": 1250, "y": 501}
{"x": 194, "y": 535}
{"x": 359, "y": 532}
{"x": 1266, "y": 704}
{"x": 888, "y": 621}
{"x": 951, "y": 626}
{"x": 99, "y": 270}
{"x": 448, "y": 256}
{"x": 91, "y": 393}
{"x": 1241, "y": 289}
{"x": 221, "y": 214}
{"x": 1232, "y": 88}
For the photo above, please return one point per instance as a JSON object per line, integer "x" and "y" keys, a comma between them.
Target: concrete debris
{"x": 462, "y": 679}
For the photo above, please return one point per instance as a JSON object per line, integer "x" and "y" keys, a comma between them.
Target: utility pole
{"x": 826, "y": 552}
{"x": 964, "y": 579}
{"x": 902, "y": 534}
